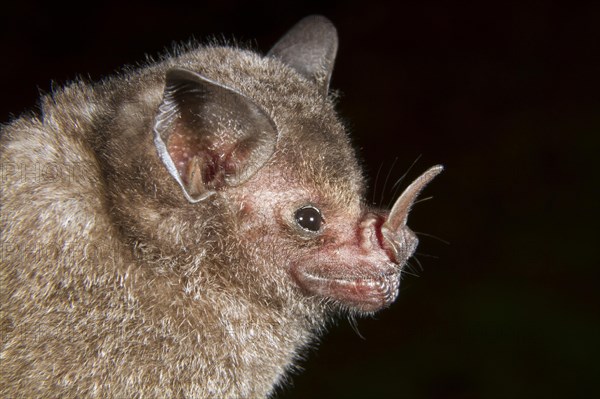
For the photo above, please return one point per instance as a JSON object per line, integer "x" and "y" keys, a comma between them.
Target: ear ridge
{"x": 310, "y": 47}
{"x": 210, "y": 136}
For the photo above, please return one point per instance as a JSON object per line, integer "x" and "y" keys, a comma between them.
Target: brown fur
{"x": 112, "y": 284}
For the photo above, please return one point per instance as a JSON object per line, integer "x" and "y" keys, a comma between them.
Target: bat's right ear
{"x": 310, "y": 48}
{"x": 209, "y": 136}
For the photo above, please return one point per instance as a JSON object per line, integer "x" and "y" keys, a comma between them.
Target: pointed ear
{"x": 310, "y": 48}
{"x": 210, "y": 136}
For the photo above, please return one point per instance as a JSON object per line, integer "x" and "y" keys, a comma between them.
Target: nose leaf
{"x": 399, "y": 213}
{"x": 399, "y": 239}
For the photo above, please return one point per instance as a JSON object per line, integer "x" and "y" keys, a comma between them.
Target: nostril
{"x": 370, "y": 235}
{"x": 379, "y": 234}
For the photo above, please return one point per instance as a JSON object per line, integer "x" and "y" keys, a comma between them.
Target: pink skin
{"x": 357, "y": 273}
{"x": 363, "y": 273}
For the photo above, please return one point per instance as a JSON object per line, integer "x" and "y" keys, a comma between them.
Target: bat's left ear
{"x": 310, "y": 48}
{"x": 209, "y": 136}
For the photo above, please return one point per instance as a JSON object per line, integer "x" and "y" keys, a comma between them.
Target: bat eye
{"x": 309, "y": 218}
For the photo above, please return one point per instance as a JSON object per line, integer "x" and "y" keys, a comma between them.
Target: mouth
{"x": 373, "y": 289}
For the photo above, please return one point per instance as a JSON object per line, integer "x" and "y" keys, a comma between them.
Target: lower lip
{"x": 361, "y": 294}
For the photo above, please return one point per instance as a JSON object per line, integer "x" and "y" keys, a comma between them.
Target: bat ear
{"x": 309, "y": 47}
{"x": 209, "y": 136}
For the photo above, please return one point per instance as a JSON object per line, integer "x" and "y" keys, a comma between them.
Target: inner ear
{"x": 210, "y": 136}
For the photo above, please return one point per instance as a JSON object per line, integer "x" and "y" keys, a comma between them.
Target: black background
{"x": 504, "y": 94}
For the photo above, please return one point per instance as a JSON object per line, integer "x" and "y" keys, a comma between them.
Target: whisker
{"x": 423, "y": 199}
{"x": 426, "y": 255}
{"x": 396, "y": 185}
{"x": 376, "y": 180}
{"x": 353, "y": 323}
{"x": 418, "y": 263}
{"x": 387, "y": 177}
{"x": 408, "y": 270}
{"x": 432, "y": 236}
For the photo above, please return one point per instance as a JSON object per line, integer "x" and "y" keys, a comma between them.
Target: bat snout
{"x": 359, "y": 275}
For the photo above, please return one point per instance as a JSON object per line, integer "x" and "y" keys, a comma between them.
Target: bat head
{"x": 270, "y": 149}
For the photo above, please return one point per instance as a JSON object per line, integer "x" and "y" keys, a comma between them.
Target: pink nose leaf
{"x": 398, "y": 238}
{"x": 399, "y": 213}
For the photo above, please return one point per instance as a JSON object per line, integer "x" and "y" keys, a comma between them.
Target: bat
{"x": 185, "y": 229}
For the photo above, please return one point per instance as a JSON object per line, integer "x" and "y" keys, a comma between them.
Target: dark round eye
{"x": 309, "y": 218}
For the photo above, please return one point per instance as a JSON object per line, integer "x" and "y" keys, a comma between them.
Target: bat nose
{"x": 370, "y": 235}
